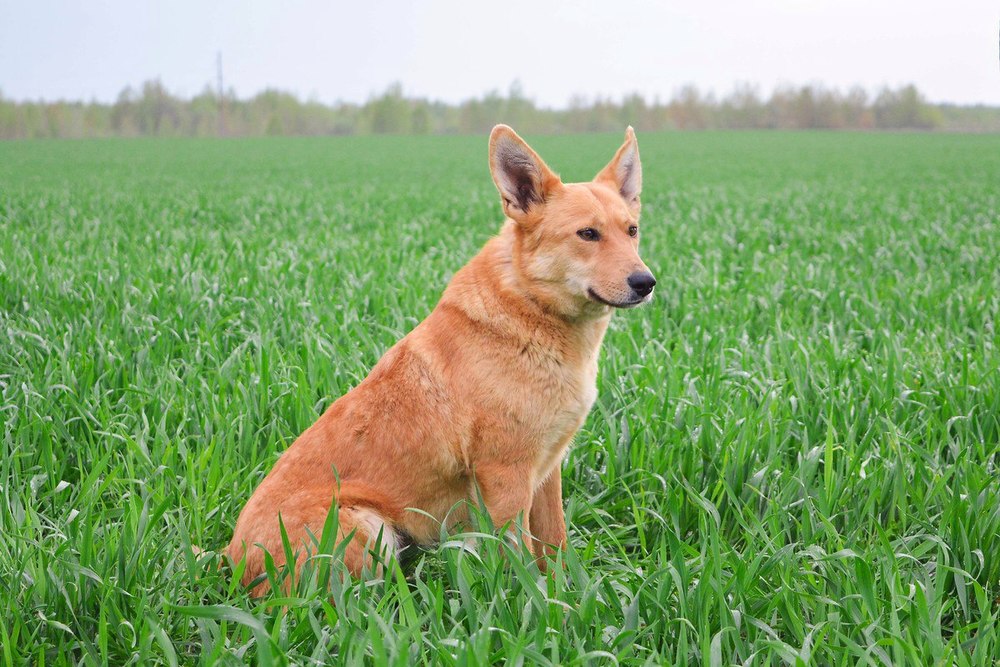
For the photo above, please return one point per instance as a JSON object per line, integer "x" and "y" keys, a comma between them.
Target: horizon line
{"x": 513, "y": 89}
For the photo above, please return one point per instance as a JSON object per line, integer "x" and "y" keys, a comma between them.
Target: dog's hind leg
{"x": 373, "y": 539}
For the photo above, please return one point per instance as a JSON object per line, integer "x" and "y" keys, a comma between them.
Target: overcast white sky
{"x": 454, "y": 49}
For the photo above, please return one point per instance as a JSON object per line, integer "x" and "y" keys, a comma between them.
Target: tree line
{"x": 151, "y": 110}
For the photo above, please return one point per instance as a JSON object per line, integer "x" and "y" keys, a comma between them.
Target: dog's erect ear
{"x": 523, "y": 179}
{"x": 624, "y": 172}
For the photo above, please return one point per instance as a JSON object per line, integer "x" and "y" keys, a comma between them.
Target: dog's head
{"x": 576, "y": 245}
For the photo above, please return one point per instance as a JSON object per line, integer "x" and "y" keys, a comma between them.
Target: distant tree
{"x": 389, "y": 113}
{"x": 202, "y": 117}
{"x": 157, "y": 112}
{"x": 634, "y": 111}
{"x": 856, "y": 110}
{"x": 123, "y": 120}
{"x": 743, "y": 108}
{"x": 689, "y": 110}
{"x": 420, "y": 118}
{"x": 905, "y": 109}
{"x": 518, "y": 110}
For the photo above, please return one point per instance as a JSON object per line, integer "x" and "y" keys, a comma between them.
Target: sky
{"x": 452, "y": 50}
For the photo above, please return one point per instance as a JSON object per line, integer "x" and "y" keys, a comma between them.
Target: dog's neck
{"x": 491, "y": 290}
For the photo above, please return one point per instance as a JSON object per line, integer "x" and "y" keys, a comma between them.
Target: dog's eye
{"x": 633, "y": 230}
{"x": 589, "y": 234}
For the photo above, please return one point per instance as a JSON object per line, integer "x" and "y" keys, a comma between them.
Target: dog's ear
{"x": 624, "y": 172}
{"x": 523, "y": 179}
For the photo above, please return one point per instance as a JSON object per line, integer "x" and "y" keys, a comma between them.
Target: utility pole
{"x": 221, "y": 95}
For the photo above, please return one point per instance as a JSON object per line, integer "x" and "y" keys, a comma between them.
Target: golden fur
{"x": 488, "y": 391}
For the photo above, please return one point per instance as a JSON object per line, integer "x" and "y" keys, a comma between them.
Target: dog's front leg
{"x": 507, "y": 492}
{"x": 548, "y": 522}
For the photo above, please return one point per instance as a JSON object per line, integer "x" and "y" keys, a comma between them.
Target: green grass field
{"x": 793, "y": 458}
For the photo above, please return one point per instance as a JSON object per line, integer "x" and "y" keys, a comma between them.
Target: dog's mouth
{"x": 594, "y": 296}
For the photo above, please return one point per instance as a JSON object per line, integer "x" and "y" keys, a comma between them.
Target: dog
{"x": 483, "y": 398}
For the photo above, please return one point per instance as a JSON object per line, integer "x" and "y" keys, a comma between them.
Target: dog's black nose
{"x": 642, "y": 282}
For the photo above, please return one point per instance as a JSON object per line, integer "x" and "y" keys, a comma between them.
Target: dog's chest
{"x": 555, "y": 397}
